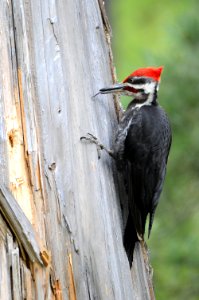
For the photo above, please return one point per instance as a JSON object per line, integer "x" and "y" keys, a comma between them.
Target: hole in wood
{"x": 11, "y": 138}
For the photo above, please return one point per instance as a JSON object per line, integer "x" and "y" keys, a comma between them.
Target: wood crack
{"x": 52, "y": 22}
{"x": 108, "y": 33}
{"x": 88, "y": 285}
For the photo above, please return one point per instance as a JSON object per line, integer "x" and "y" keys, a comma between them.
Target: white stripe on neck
{"x": 148, "y": 101}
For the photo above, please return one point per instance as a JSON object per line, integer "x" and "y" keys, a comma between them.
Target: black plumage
{"x": 141, "y": 148}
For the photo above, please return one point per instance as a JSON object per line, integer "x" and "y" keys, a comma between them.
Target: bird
{"x": 141, "y": 148}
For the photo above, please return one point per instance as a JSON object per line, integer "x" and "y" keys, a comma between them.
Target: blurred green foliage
{"x": 153, "y": 33}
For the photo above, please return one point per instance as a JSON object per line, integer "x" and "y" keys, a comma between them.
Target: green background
{"x": 156, "y": 33}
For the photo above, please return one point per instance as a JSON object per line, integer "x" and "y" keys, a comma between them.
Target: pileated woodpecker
{"x": 141, "y": 149}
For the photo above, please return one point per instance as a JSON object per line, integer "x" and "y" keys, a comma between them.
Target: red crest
{"x": 150, "y": 72}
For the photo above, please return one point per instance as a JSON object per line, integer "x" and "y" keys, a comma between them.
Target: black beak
{"x": 114, "y": 89}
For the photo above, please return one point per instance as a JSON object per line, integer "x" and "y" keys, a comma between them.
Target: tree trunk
{"x": 61, "y": 219}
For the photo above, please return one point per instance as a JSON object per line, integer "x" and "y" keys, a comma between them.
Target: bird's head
{"x": 140, "y": 85}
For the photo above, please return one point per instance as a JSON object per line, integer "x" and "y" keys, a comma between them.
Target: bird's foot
{"x": 92, "y": 139}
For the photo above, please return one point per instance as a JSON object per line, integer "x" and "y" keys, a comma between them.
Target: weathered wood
{"x": 28, "y": 290}
{"x": 142, "y": 273}
{"x": 19, "y": 224}
{"x": 16, "y": 280}
{"x": 16, "y": 276}
{"x": 5, "y": 284}
{"x": 57, "y": 56}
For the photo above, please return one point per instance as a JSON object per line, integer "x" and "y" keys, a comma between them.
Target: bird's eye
{"x": 130, "y": 80}
{"x": 141, "y": 90}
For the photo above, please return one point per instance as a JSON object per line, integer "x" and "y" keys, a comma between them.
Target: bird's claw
{"x": 92, "y": 139}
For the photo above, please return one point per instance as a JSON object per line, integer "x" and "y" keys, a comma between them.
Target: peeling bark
{"x": 60, "y": 205}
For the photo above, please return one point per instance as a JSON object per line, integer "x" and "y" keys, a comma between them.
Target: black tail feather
{"x": 151, "y": 218}
{"x": 129, "y": 239}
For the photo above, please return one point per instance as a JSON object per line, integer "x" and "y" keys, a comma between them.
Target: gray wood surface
{"x": 19, "y": 224}
{"x": 55, "y": 56}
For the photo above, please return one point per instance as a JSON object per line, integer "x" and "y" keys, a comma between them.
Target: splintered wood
{"x": 60, "y": 213}
{"x": 14, "y": 273}
{"x": 71, "y": 286}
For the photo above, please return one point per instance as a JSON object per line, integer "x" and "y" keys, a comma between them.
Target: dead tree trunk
{"x": 61, "y": 221}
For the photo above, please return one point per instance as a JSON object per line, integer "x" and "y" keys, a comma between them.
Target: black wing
{"x": 147, "y": 146}
{"x": 142, "y": 146}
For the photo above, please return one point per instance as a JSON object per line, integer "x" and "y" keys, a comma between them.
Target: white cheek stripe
{"x": 147, "y": 87}
{"x": 148, "y": 102}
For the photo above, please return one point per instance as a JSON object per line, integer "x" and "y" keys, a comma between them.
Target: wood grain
{"x": 55, "y": 55}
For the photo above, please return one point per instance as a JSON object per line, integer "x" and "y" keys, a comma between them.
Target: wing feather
{"x": 143, "y": 141}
